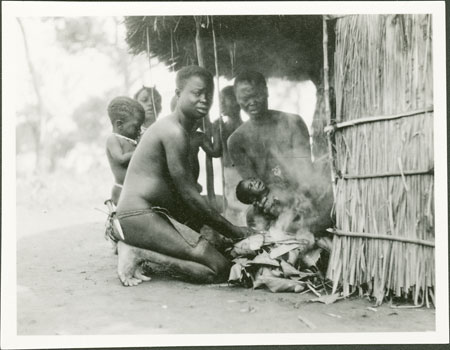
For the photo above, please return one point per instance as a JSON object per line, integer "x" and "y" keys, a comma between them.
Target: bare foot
{"x": 128, "y": 267}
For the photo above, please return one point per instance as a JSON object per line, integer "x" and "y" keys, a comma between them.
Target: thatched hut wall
{"x": 384, "y": 241}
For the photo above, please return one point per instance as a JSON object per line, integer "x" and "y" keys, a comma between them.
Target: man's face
{"x": 229, "y": 106}
{"x": 146, "y": 100}
{"x": 195, "y": 99}
{"x": 131, "y": 127}
{"x": 252, "y": 99}
{"x": 254, "y": 187}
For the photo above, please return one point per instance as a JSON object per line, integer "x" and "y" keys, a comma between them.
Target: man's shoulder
{"x": 240, "y": 131}
{"x": 291, "y": 118}
{"x": 285, "y": 115}
{"x": 167, "y": 126}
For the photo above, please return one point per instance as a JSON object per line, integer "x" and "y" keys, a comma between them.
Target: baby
{"x": 127, "y": 117}
{"x": 308, "y": 207}
{"x": 266, "y": 205}
{"x": 292, "y": 213}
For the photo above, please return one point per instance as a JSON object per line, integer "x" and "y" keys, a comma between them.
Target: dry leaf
{"x": 327, "y": 299}
{"x": 235, "y": 273}
{"x": 288, "y": 269}
{"x": 248, "y": 246}
{"x": 264, "y": 259}
{"x": 275, "y": 284}
{"x": 311, "y": 257}
{"x": 282, "y": 249}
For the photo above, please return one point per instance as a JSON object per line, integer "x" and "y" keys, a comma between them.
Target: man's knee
{"x": 219, "y": 266}
{"x": 218, "y": 274}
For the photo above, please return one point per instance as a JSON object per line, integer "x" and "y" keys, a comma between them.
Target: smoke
{"x": 307, "y": 196}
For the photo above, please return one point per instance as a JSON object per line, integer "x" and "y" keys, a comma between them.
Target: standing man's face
{"x": 195, "y": 99}
{"x": 252, "y": 99}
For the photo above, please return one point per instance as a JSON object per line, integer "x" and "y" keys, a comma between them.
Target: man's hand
{"x": 243, "y": 232}
{"x": 269, "y": 205}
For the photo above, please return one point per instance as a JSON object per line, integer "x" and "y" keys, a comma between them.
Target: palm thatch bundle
{"x": 276, "y": 46}
{"x": 384, "y": 241}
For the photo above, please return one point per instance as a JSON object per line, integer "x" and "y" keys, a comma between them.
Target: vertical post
{"x": 216, "y": 59}
{"x": 206, "y": 122}
{"x": 150, "y": 71}
{"x": 326, "y": 94}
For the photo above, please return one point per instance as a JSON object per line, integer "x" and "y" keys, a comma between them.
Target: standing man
{"x": 160, "y": 208}
{"x": 272, "y": 145}
{"x": 231, "y": 116}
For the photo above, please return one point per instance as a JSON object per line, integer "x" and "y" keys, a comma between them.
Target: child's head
{"x": 151, "y": 100}
{"x": 228, "y": 103}
{"x": 126, "y": 116}
{"x": 250, "y": 190}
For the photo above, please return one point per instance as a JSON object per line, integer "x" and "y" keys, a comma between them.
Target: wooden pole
{"x": 150, "y": 71}
{"x": 206, "y": 122}
{"x": 220, "y": 112}
{"x": 326, "y": 94}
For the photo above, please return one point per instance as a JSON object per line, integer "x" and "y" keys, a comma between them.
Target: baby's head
{"x": 151, "y": 100}
{"x": 127, "y": 116}
{"x": 250, "y": 190}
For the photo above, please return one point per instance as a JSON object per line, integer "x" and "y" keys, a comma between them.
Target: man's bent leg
{"x": 153, "y": 232}
{"x": 130, "y": 274}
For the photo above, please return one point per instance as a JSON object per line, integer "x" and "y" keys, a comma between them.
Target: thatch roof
{"x": 277, "y": 46}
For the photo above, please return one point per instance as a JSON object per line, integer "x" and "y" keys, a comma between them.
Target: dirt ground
{"x": 67, "y": 284}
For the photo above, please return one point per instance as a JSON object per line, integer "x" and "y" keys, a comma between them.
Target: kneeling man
{"x": 160, "y": 209}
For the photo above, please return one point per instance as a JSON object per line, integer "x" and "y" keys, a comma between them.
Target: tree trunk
{"x": 40, "y": 127}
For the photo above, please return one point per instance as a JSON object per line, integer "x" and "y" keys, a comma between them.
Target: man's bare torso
{"x": 148, "y": 182}
{"x": 270, "y": 144}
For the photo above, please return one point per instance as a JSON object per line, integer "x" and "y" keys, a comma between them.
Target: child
{"x": 303, "y": 215}
{"x": 266, "y": 207}
{"x": 151, "y": 100}
{"x": 127, "y": 117}
{"x": 306, "y": 209}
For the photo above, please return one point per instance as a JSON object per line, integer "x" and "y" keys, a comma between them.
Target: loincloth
{"x": 140, "y": 220}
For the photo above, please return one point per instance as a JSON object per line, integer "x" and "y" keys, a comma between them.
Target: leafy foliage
{"x": 91, "y": 119}
{"x": 75, "y": 34}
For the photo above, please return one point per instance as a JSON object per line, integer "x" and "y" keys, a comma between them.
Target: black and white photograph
{"x": 223, "y": 173}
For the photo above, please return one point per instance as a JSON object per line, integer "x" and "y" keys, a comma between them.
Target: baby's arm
{"x": 116, "y": 152}
{"x": 256, "y": 219}
{"x": 213, "y": 149}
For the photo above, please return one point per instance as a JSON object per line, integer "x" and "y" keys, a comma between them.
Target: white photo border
{"x": 11, "y": 10}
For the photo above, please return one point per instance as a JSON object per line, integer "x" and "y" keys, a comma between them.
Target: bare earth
{"x": 67, "y": 284}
